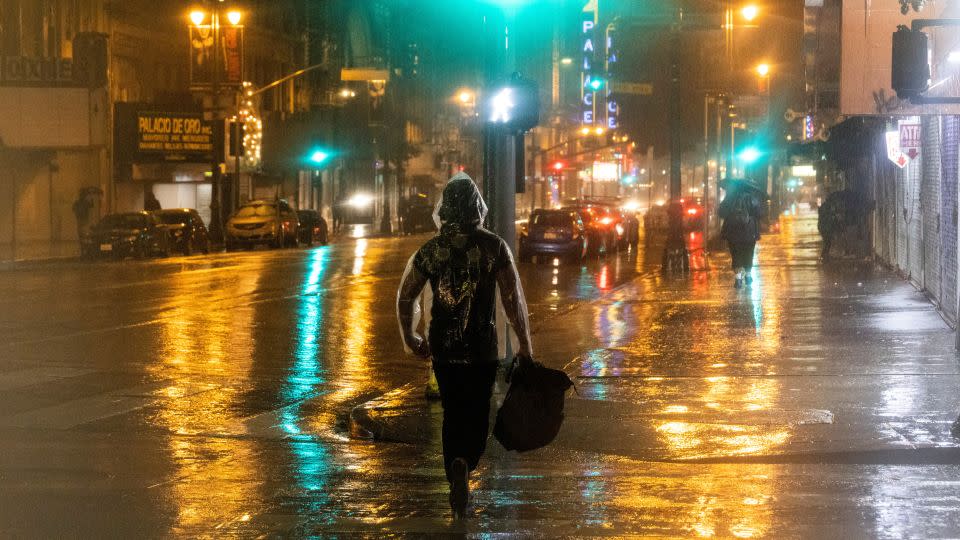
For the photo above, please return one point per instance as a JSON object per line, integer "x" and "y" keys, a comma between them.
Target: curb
{"x": 400, "y": 415}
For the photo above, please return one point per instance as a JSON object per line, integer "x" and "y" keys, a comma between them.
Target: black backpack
{"x": 740, "y": 212}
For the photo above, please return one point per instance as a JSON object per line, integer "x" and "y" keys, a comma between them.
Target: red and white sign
{"x": 910, "y": 139}
{"x": 894, "y": 153}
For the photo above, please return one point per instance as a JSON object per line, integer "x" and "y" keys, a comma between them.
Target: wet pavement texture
{"x": 234, "y": 394}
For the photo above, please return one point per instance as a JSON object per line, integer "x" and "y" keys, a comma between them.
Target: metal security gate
{"x": 930, "y": 205}
{"x": 949, "y": 177}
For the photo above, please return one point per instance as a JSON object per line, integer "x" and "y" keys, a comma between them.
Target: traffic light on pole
{"x": 749, "y": 155}
{"x": 910, "y": 73}
{"x": 317, "y": 156}
{"x": 596, "y": 83}
{"x": 558, "y": 166}
{"x": 514, "y": 104}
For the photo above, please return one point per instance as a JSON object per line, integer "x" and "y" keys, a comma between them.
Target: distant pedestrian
{"x": 464, "y": 264}
{"x": 842, "y": 211}
{"x": 741, "y": 211}
{"x": 150, "y": 202}
{"x": 337, "y": 214}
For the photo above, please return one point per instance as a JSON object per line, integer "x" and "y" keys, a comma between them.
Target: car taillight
{"x": 606, "y": 220}
{"x": 692, "y": 211}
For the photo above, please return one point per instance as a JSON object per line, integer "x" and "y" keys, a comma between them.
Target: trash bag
{"x": 532, "y": 411}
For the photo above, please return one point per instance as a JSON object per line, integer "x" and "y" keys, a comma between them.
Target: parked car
{"x": 262, "y": 222}
{"x": 600, "y": 232}
{"x": 656, "y": 218}
{"x": 186, "y": 229}
{"x": 554, "y": 232}
{"x": 136, "y": 234}
{"x": 418, "y": 218}
{"x": 312, "y": 227}
{"x": 693, "y": 214}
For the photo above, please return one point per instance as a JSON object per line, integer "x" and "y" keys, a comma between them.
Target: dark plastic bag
{"x": 532, "y": 411}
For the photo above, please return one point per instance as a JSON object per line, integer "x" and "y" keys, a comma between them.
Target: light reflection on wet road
{"x": 210, "y": 396}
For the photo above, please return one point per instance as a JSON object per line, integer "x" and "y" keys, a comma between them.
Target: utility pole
{"x": 675, "y": 247}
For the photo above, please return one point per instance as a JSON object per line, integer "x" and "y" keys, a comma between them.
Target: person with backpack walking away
{"x": 464, "y": 265}
{"x": 741, "y": 211}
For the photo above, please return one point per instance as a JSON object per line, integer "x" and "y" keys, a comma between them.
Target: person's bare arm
{"x": 407, "y": 298}
{"x": 515, "y": 306}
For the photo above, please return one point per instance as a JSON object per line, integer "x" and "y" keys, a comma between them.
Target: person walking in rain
{"x": 741, "y": 211}
{"x": 464, "y": 265}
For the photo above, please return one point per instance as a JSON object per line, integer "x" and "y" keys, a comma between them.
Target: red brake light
{"x": 692, "y": 211}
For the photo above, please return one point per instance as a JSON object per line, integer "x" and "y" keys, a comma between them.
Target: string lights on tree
{"x": 252, "y": 130}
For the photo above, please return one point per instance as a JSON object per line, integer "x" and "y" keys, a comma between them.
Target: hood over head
{"x": 460, "y": 204}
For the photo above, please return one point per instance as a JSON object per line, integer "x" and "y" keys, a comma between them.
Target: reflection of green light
{"x": 304, "y": 378}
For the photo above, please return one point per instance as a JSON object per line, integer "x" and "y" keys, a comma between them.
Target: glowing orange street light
{"x": 234, "y": 17}
{"x": 763, "y": 69}
{"x": 197, "y": 17}
{"x": 749, "y": 12}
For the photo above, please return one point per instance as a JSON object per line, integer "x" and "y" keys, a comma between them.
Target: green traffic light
{"x": 318, "y": 157}
{"x": 749, "y": 155}
{"x": 595, "y": 84}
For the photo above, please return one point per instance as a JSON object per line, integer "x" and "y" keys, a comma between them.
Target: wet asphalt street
{"x": 231, "y": 394}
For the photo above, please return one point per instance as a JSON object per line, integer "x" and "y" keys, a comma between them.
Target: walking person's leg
{"x": 827, "y": 243}
{"x": 748, "y": 250}
{"x": 736, "y": 258}
{"x": 465, "y": 392}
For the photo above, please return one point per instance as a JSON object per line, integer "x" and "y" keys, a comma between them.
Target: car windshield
{"x": 553, "y": 219}
{"x": 124, "y": 221}
{"x": 173, "y": 219}
{"x": 257, "y": 210}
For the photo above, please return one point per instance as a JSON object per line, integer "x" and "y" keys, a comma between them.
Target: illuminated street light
{"x": 566, "y": 60}
{"x": 197, "y": 17}
{"x": 465, "y": 97}
{"x": 234, "y": 17}
{"x": 749, "y": 12}
{"x": 763, "y": 70}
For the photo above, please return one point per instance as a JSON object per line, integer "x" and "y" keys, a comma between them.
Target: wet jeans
{"x": 465, "y": 391}
{"x": 742, "y": 254}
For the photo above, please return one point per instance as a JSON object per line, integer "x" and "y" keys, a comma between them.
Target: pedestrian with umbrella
{"x": 741, "y": 210}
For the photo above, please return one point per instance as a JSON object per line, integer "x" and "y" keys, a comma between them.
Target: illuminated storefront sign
{"x": 612, "y": 108}
{"x": 606, "y": 171}
{"x": 588, "y": 35}
{"x": 145, "y": 136}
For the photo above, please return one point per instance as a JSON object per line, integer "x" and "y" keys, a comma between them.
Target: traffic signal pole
{"x": 675, "y": 254}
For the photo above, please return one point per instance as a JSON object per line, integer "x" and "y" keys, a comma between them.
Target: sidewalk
{"x": 836, "y": 367}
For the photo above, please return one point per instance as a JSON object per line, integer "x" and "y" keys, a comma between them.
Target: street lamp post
{"x": 198, "y": 17}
